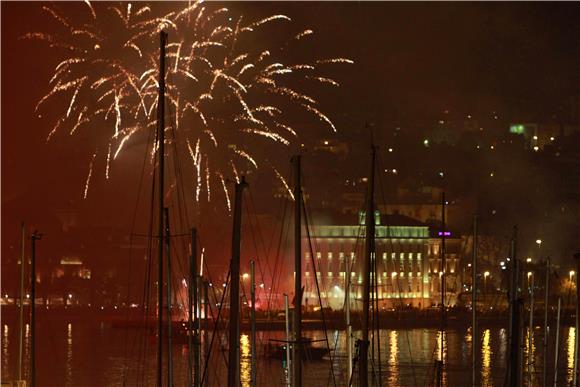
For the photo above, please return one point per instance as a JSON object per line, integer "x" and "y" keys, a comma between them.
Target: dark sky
{"x": 412, "y": 60}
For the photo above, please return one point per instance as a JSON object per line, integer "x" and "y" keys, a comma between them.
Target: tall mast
{"x": 557, "y": 349}
{"x": 370, "y": 235}
{"x": 514, "y": 353}
{"x": 348, "y": 324}
{"x": 206, "y": 325}
{"x": 234, "y": 353}
{"x": 21, "y": 311}
{"x": 474, "y": 339}
{"x": 169, "y": 321}
{"x": 35, "y": 236}
{"x": 297, "y": 355}
{"x": 193, "y": 327}
{"x": 441, "y": 360}
{"x": 531, "y": 331}
{"x": 161, "y": 161}
{"x": 253, "y": 323}
{"x": 546, "y": 328}
{"x": 577, "y": 330}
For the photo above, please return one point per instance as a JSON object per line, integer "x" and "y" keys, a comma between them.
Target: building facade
{"x": 406, "y": 257}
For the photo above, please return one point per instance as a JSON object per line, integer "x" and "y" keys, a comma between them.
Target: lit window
{"x": 419, "y": 256}
{"x": 410, "y": 255}
{"x": 402, "y": 256}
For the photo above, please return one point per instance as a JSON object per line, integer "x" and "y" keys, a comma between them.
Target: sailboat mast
{"x": 190, "y": 310}
{"x": 297, "y": 355}
{"x": 474, "y": 339}
{"x": 206, "y": 325}
{"x": 234, "y": 336}
{"x": 546, "y": 328}
{"x": 169, "y": 321}
{"x": 514, "y": 353}
{"x": 370, "y": 234}
{"x": 441, "y": 361}
{"x": 35, "y": 236}
{"x": 193, "y": 327}
{"x": 348, "y": 324}
{"x": 21, "y": 311}
{"x": 161, "y": 161}
{"x": 253, "y": 323}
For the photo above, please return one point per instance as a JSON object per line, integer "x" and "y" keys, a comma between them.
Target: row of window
{"x": 401, "y": 256}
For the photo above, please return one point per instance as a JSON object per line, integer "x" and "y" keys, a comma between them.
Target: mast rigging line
{"x": 133, "y": 222}
{"x": 215, "y": 330}
{"x": 390, "y": 238}
{"x": 307, "y": 224}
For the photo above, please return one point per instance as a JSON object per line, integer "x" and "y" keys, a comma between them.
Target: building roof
{"x": 335, "y": 218}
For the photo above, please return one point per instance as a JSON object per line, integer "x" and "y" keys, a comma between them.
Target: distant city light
{"x": 28, "y": 296}
{"x": 390, "y": 150}
{"x": 394, "y": 171}
{"x": 426, "y": 142}
{"x": 502, "y": 263}
{"x": 446, "y": 233}
{"x": 69, "y": 296}
{"x": 491, "y": 147}
{"x": 551, "y": 138}
{"x": 441, "y": 174}
{"x": 535, "y": 137}
{"x": 325, "y": 142}
{"x": 539, "y": 241}
{"x": 491, "y": 174}
{"x": 486, "y": 274}
{"x": 469, "y": 265}
{"x": 517, "y": 129}
{"x": 536, "y": 148}
{"x": 528, "y": 260}
{"x": 245, "y": 276}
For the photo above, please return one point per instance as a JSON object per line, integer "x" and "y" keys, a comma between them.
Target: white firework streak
{"x": 303, "y": 34}
{"x": 108, "y": 162}
{"x": 207, "y": 175}
{"x": 88, "y": 182}
{"x": 284, "y": 183}
{"x": 118, "y": 116}
{"x": 335, "y": 60}
{"x": 124, "y": 139}
{"x": 196, "y": 157}
{"x": 320, "y": 115}
{"x": 204, "y": 59}
{"x": 271, "y": 135}
{"x": 246, "y": 156}
{"x": 80, "y": 120}
{"x": 235, "y": 171}
{"x": 325, "y": 80}
{"x": 227, "y": 194}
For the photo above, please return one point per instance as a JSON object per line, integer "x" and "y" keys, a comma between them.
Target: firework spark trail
{"x": 216, "y": 90}
{"x": 284, "y": 183}
{"x": 87, "y": 183}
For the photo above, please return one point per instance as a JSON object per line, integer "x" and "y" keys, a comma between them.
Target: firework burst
{"x": 226, "y": 98}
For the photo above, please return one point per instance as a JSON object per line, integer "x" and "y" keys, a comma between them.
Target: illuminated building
{"x": 406, "y": 256}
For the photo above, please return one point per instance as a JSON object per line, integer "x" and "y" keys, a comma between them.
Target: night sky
{"x": 412, "y": 62}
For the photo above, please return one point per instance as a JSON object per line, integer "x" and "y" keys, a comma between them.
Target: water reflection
{"x": 69, "y": 355}
{"x": 5, "y": 349}
{"x": 486, "y": 353}
{"x": 571, "y": 345}
{"x": 245, "y": 361}
{"x": 393, "y": 378}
